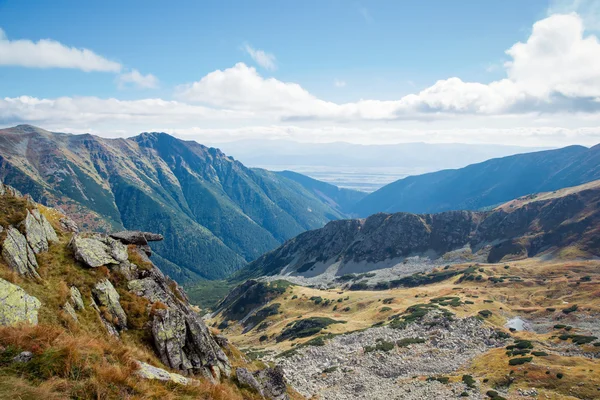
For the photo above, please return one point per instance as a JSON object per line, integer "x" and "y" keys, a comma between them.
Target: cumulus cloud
{"x": 47, "y": 53}
{"x": 135, "y": 78}
{"x": 265, "y": 60}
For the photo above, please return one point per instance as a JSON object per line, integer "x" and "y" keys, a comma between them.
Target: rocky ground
{"x": 342, "y": 369}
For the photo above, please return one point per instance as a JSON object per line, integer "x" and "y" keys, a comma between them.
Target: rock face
{"x": 18, "y": 254}
{"x": 106, "y": 296}
{"x": 76, "y": 299}
{"x": 16, "y": 305}
{"x": 98, "y": 250}
{"x": 521, "y": 228}
{"x": 39, "y": 231}
{"x": 269, "y": 382}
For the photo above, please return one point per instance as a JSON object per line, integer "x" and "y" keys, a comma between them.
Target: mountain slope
{"x": 341, "y": 199}
{"x": 486, "y": 184}
{"x": 228, "y": 214}
{"x": 563, "y": 221}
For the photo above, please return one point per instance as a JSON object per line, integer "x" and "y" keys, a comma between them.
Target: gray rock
{"x": 18, "y": 254}
{"x": 76, "y": 299}
{"x": 269, "y": 382}
{"x": 184, "y": 343}
{"x": 68, "y": 224}
{"x": 136, "y": 237}
{"x": 106, "y": 295}
{"x": 16, "y": 305}
{"x": 68, "y": 308}
{"x": 97, "y": 250}
{"x": 110, "y": 328}
{"x": 150, "y": 289}
{"x": 38, "y": 230}
{"x": 246, "y": 378}
{"x": 23, "y": 357}
{"x": 9, "y": 190}
{"x": 222, "y": 341}
{"x": 148, "y": 371}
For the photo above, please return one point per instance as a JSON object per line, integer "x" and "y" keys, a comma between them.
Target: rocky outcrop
{"x": 138, "y": 238}
{"x": 76, "y": 299}
{"x": 39, "y": 232}
{"x": 106, "y": 296}
{"x": 148, "y": 371}
{"x": 16, "y": 305}
{"x": 18, "y": 254}
{"x": 269, "y": 382}
{"x": 97, "y": 250}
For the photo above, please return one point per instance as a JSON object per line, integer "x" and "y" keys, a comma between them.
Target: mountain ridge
{"x": 156, "y": 182}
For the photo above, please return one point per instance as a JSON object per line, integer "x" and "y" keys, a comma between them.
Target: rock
{"x": 148, "y": 371}
{"x": 269, "y": 382}
{"x": 9, "y": 190}
{"x": 68, "y": 224}
{"x": 245, "y": 378}
{"x": 16, "y": 305}
{"x": 68, "y": 308}
{"x": 23, "y": 357}
{"x": 110, "y": 328}
{"x": 18, "y": 254}
{"x": 183, "y": 342}
{"x": 150, "y": 289}
{"x": 136, "y": 237}
{"x": 221, "y": 340}
{"x": 76, "y": 299}
{"x": 106, "y": 296}
{"x": 98, "y": 250}
{"x": 38, "y": 230}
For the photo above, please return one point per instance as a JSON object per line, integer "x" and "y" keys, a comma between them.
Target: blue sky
{"x": 187, "y": 68}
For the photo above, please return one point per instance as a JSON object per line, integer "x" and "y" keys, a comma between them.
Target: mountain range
{"x": 215, "y": 213}
{"x": 486, "y": 184}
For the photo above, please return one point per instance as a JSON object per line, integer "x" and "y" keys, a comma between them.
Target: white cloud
{"x": 339, "y": 83}
{"x": 135, "y": 78}
{"x": 589, "y": 10}
{"x": 265, "y": 60}
{"x": 550, "y": 95}
{"x": 47, "y": 53}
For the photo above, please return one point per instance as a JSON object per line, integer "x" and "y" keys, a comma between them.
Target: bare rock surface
{"x": 136, "y": 237}
{"x": 268, "y": 382}
{"x": 106, "y": 296}
{"x": 16, "y": 306}
{"x": 39, "y": 232}
{"x": 18, "y": 254}
{"x": 148, "y": 371}
{"x": 342, "y": 369}
{"x": 97, "y": 250}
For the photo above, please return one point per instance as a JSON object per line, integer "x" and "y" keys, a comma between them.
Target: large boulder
{"x": 106, "y": 296}
{"x": 269, "y": 382}
{"x": 38, "y": 231}
{"x": 184, "y": 343}
{"x": 16, "y": 305}
{"x": 18, "y": 254}
{"x": 136, "y": 237}
{"x": 98, "y": 250}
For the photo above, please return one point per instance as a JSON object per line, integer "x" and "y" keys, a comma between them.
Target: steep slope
{"x": 341, "y": 199}
{"x": 486, "y": 184}
{"x": 87, "y": 316}
{"x": 155, "y": 182}
{"x": 568, "y": 219}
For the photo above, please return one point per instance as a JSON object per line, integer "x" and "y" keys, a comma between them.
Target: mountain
{"x": 486, "y": 184}
{"x": 362, "y": 167}
{"x": 87, "y": 316}
{"x": 215, "y": 213}
{"x": 547, "y": 223}
{"x": 338, "y": 198}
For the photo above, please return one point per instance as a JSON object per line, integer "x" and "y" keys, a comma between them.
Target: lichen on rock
{"x": 18, "y": 254}
{"x": 106, "y": 296}
{"x": 98, "y": 250}
{"x": 16, "y": 305}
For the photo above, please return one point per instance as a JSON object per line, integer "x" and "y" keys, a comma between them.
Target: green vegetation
{"x": 469, "y": 381}
{"x": 571, "y": 309}
{"x": 408, "y": 341}
{"x": 485, "y": 313}
{"x": 306, "y": 327}
{"x": 207, "y": 294}
{"x": 519, "y": 361}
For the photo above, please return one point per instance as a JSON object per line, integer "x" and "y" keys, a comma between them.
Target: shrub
{"x": 330, "y": 369}
{"x": 263, "y": 338}
{"x": 519, "y": 361}
{"x": 441, "y": 379}
{"x": 551, "y": 309}
{"x": 571, "y": 309}
{"x": 485, "y": 313}
{"x": 389, "y": 300}
{"x": 385, "y": 309}
{"x": 539, "y": 353}
{"x": 469, "y": 381}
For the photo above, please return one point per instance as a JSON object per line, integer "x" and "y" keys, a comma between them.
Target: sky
{"x": 373, "y": 72}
